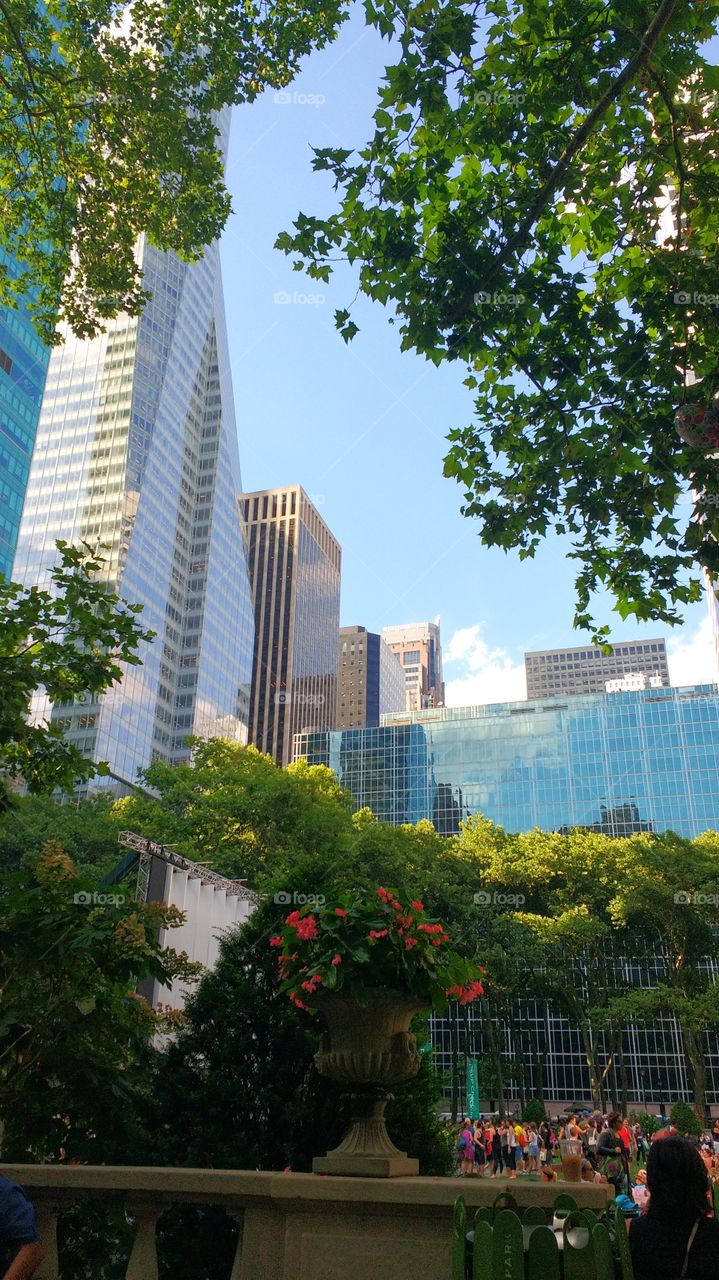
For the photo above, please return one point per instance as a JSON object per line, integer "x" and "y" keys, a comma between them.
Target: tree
{"x": 513, "y": 208}
{"x": 110, "y": 129}
{"x": 235, "y": 810}
{"x": 75, "y": 1039}
{"x": 87, "y": 829}
{"x": 65, "y": 641}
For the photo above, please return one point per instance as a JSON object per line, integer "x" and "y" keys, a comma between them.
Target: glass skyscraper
{"x": 137, "y": 452}
{"x": 615, "y": 762}
{"x": 23, "y": 365}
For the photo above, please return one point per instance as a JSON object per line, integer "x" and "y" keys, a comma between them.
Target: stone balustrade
{"x": 292, "y": 1226}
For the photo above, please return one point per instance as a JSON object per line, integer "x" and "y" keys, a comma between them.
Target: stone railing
{"x": 292, "y": 1226}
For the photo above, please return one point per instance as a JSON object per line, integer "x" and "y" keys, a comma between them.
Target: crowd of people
{"x": 610, "y": 1146}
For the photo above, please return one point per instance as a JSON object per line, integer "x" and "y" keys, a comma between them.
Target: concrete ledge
{"x": 303, "y": 1226}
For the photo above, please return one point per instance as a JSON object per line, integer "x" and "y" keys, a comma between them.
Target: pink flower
{"x": 417, "y": 905}
{"x": 276, "y": 942}
{"x": 337, "y": 959}
{"x": 340, "y": 911}
{"x": 307, "y": 929}
{"x": 384, "y": 894}
{"x": 293, "y": 919}
{"x": 410, "y": 942}
{"x": 378, "y": 933}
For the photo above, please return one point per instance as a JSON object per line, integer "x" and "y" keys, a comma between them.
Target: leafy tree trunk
{"x": 590, "y": 1056}
{"x": 496, "y": 1056}
{"x": 696, "y": 1066}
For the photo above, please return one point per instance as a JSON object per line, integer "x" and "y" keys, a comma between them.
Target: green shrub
{"x": 685, "y": 1118}
{"x": 534, "y": 1112}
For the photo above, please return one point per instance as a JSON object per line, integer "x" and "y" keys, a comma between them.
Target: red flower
{"x": 340, "y": 911}
{"x": 307, "y": 929}
{"x": 337, "y": 959}
{"x": 293, "y": 919}
{"x": 384, "y": 894}
{"x": 276, "y": 942}
{"x": 378, "y": 933}
{"x": 410, "y": 942}
{"x": 417, "y": 905}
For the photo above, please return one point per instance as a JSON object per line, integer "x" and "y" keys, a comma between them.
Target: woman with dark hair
{"x": 676, "y": 1237}
{"x": 610, "y": 1153}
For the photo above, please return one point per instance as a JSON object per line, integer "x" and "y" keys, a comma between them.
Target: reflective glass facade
{"x": 619, "y": 762}
{"x": 294, "y": 563}
{"x": 23, "y": 365}
{"x": 137, "y": 451}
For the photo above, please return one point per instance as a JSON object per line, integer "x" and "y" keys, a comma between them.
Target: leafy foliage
{"x": 67, "y": 641}
{"x": 110, "y": 127}
{"x": 539, "y": 202}
{"x": 685, "y": 1118}
{"x": 74, "y": 1036}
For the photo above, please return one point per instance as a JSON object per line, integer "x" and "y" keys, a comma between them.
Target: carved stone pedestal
{"x": 367, "y": 1151}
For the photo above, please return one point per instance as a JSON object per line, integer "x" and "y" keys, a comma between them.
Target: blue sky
{"x": 363, "y": 427}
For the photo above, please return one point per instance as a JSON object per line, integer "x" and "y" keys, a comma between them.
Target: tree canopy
{"x": 67, "y": 640}
{"x": 109, "y": 129}
{"x": 538, "y": 202}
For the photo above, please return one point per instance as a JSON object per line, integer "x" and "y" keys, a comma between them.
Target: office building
{"x": 419, "y": 649}
{"x": 370, "y": 680}
{"x": 586, "y": 669}
{"x": 294, "y": 564}
{"x": 136, "y": 451}
{"x": 620, "y": 764}
{"x": 624, "y": 761}
{"x": 23, "y": 365}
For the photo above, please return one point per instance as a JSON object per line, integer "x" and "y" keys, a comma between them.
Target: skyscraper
{"x": 586, "y": 669}
{"x": 419, "y": 649}
{"x": 294, "y": 564}
{"x": 371, "y": 680}
{"x": 23, "y": 365}
{"x": 137, "y": 451}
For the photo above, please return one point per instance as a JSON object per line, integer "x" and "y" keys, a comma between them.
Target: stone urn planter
{"x": 367, "y": 1046}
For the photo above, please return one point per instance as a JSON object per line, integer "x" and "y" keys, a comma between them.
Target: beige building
{"x": 419, "y": 649}
{"x": 294, "y": 563}
{"x": 637, "y": 665}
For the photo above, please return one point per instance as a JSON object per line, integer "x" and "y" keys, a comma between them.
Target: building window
{"x": 411, "y": 656}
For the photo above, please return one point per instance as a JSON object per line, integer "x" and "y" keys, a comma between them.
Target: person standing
{"x": 465, "y": 1149}
{"x": 20, "y": 1250}
{"x": 545, "y": 1132}
{"x": 610, "y": 1153}
{"x": 496, "y": 1149}
{"x": 676, "y": 1236}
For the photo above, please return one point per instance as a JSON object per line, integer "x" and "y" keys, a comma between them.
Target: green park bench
{"x": 510, "y": 1246}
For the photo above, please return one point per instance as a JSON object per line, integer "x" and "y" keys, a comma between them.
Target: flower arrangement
{"x": 371, "y": 939}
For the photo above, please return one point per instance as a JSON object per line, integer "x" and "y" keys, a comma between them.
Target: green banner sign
{"x": 472, "y": 1089}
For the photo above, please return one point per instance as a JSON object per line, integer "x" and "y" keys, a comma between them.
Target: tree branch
{"x": 519, "y": 240}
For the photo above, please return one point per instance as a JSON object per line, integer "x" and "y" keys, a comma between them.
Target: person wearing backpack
{"x": 465, "y": 1149}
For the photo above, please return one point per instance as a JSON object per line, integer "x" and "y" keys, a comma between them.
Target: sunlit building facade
{"x": 634, "y": 664}
{"x": 419, "y": 648}
{"x": 618, "y": 764}
{"x": 137, "y": 452}
{"x": 23, "y": 365}
{"x": 295, "y": 564}
{"x": 643, "y": 760}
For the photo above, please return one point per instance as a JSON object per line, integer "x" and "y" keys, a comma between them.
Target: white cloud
{"x": 485, "y": 675}
{"x": 692, "y": 656}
